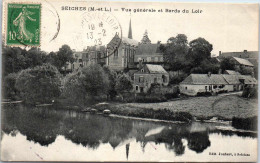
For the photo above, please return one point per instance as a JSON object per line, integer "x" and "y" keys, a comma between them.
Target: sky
{"x": 228, "y": 27}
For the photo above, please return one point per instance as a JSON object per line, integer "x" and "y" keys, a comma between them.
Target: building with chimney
{"x": 251, "y": 56}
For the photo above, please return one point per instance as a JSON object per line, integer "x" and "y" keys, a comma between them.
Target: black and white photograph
{"x": 129, "y": 81}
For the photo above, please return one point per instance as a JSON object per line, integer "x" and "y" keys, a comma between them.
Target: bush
{"x": 9, "y": 90}
{"x": 204, "y": 94}
{"x": 245, "y": 123}
{"x": 250, "y": 92}
{"x": 83, "y": 86}
{"x": 149, "y": 98}
{"x": 40, "y": 84}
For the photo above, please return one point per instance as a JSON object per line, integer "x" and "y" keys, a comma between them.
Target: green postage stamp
{"x": 23, "y": 24}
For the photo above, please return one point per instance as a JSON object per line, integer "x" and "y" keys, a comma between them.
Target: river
{"x": 48, "y": 134}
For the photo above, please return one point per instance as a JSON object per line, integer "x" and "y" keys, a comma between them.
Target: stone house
{"x": 149, "y": 74}
{"x": 201, "y": 83}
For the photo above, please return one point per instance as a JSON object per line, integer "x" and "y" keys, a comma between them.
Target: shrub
{"x": 39, "y": 84}
{"x": 84, "y": 85}
{"x": 250, "y": 92}
{"x": 9, "y": 90}
{"x": 245, "y": 123}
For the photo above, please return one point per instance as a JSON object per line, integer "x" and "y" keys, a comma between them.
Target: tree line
{"x": 37, "y": 77}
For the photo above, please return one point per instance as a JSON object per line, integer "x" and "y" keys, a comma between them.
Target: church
{"x": 131, "y": 52}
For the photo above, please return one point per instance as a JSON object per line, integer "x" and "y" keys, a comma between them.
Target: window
{"x": 152, "y": 59}
{"x": 80, "y": 60}
{"x": 210, "y": 88}
{"x": 148, "y": 59}
{"x": 143, "y": 59}
{"x": 142, "y": 70}
{"x": 136, "y": 88}
{"x": 116, "y": 53}
{"x": 155, "y": 80}
{"x": 206, "y": 87}
{"x": 141, "y": 79}
{"x": 164, "y": 78}
{"x": 215, "y": 86}
{"x": 141, "y": 89}
{"x": 186, "y": 88}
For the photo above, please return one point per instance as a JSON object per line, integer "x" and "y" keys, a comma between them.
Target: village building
{"x": 201, "y": 83}
{"x": 240, "y": 62}
{"x": 231, "y": 72}
{"x": 91, "y": 55}
{"x": 251, "y": 56}
{"x": 149, "y": 74}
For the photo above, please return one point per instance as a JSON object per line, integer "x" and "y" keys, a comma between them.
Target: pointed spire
{"x": 130, "y": 30}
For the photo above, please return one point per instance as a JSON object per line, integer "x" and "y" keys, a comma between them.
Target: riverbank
{"x": 222, "y": 107}
{"x": 204, "y": 108}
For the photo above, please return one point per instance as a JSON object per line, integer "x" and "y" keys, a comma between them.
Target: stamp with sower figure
{"x": 23, "y": 24}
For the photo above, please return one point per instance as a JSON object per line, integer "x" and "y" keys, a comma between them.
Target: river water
{"x": 47, "y": 134}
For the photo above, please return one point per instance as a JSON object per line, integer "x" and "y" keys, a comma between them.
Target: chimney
{"x": 140, "y": 64}
{"x": 245, "y": 51}
{"x": 219, "y": 53}
{"x": 220, "y": 71}
{"x": 209, "y": 74}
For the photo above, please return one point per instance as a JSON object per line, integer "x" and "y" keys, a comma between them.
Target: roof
{"x": 218, "y": 79}
{"x": 156, "y": 69}
{"x": 248, "y": 79}
{"x": 136, "y": 58}
{"x": 243, "y": 61}
{"x": 96, "y": 48}
{"x": 231, "y": 72}
{"x": 242, "y": 54}
{"x": 204, "y": 79}
{"x": 129, "y": 41}
{"x": 231, "y": 79}
{"x": 148, "y": 49}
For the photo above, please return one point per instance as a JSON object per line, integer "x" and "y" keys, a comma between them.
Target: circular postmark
{"x": 99, "y": 29}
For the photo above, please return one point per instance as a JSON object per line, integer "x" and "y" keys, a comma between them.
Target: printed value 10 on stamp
{"x": 23, "y": 24}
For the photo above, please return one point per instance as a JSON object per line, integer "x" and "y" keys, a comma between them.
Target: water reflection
{"x": 42, "y": 126}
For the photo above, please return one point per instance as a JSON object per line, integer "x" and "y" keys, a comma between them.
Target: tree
{"x": 85, "y": 84}
{"x": 63, "y": 56}
{"x": 40, "y": 84}
{"x": 175, "y": 51}
{"x": 112, "y": 76}
{"x": 9, "y": 90}
{"x": 227, "y": 64}
{"x": 199, "y": 50}
{"x": 123, "y": 84}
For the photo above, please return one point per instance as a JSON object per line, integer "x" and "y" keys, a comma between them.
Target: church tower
{"x": 130, "y": 30}
{"x": 145, "y": 39}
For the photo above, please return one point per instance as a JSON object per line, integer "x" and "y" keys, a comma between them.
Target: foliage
{"x": 250, "y": 92}
{"x": 86, "y": 83}
{"x": 61, "y": 58}
{"x": 123, "y": 83}
{"x": 246, "y": 70}
{"x": 9, "y": 90}
{"x": 249, "y": 123}
{"x": 112, "y": 76}
{"x": 227, "y": 64}
{"x": 39, "y": 84}
{"x": 175, "y": 51}
{"x": 15, "y": 59}
{"x": 207, "y": 65}
{"x": 200, "y": 49}
{"x": 176, "y": 78}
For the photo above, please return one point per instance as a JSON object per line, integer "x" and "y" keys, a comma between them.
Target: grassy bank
{"x": 223, "y": 107}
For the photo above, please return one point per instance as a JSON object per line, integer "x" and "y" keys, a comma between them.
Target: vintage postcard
{"x": 129, "y": 81}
